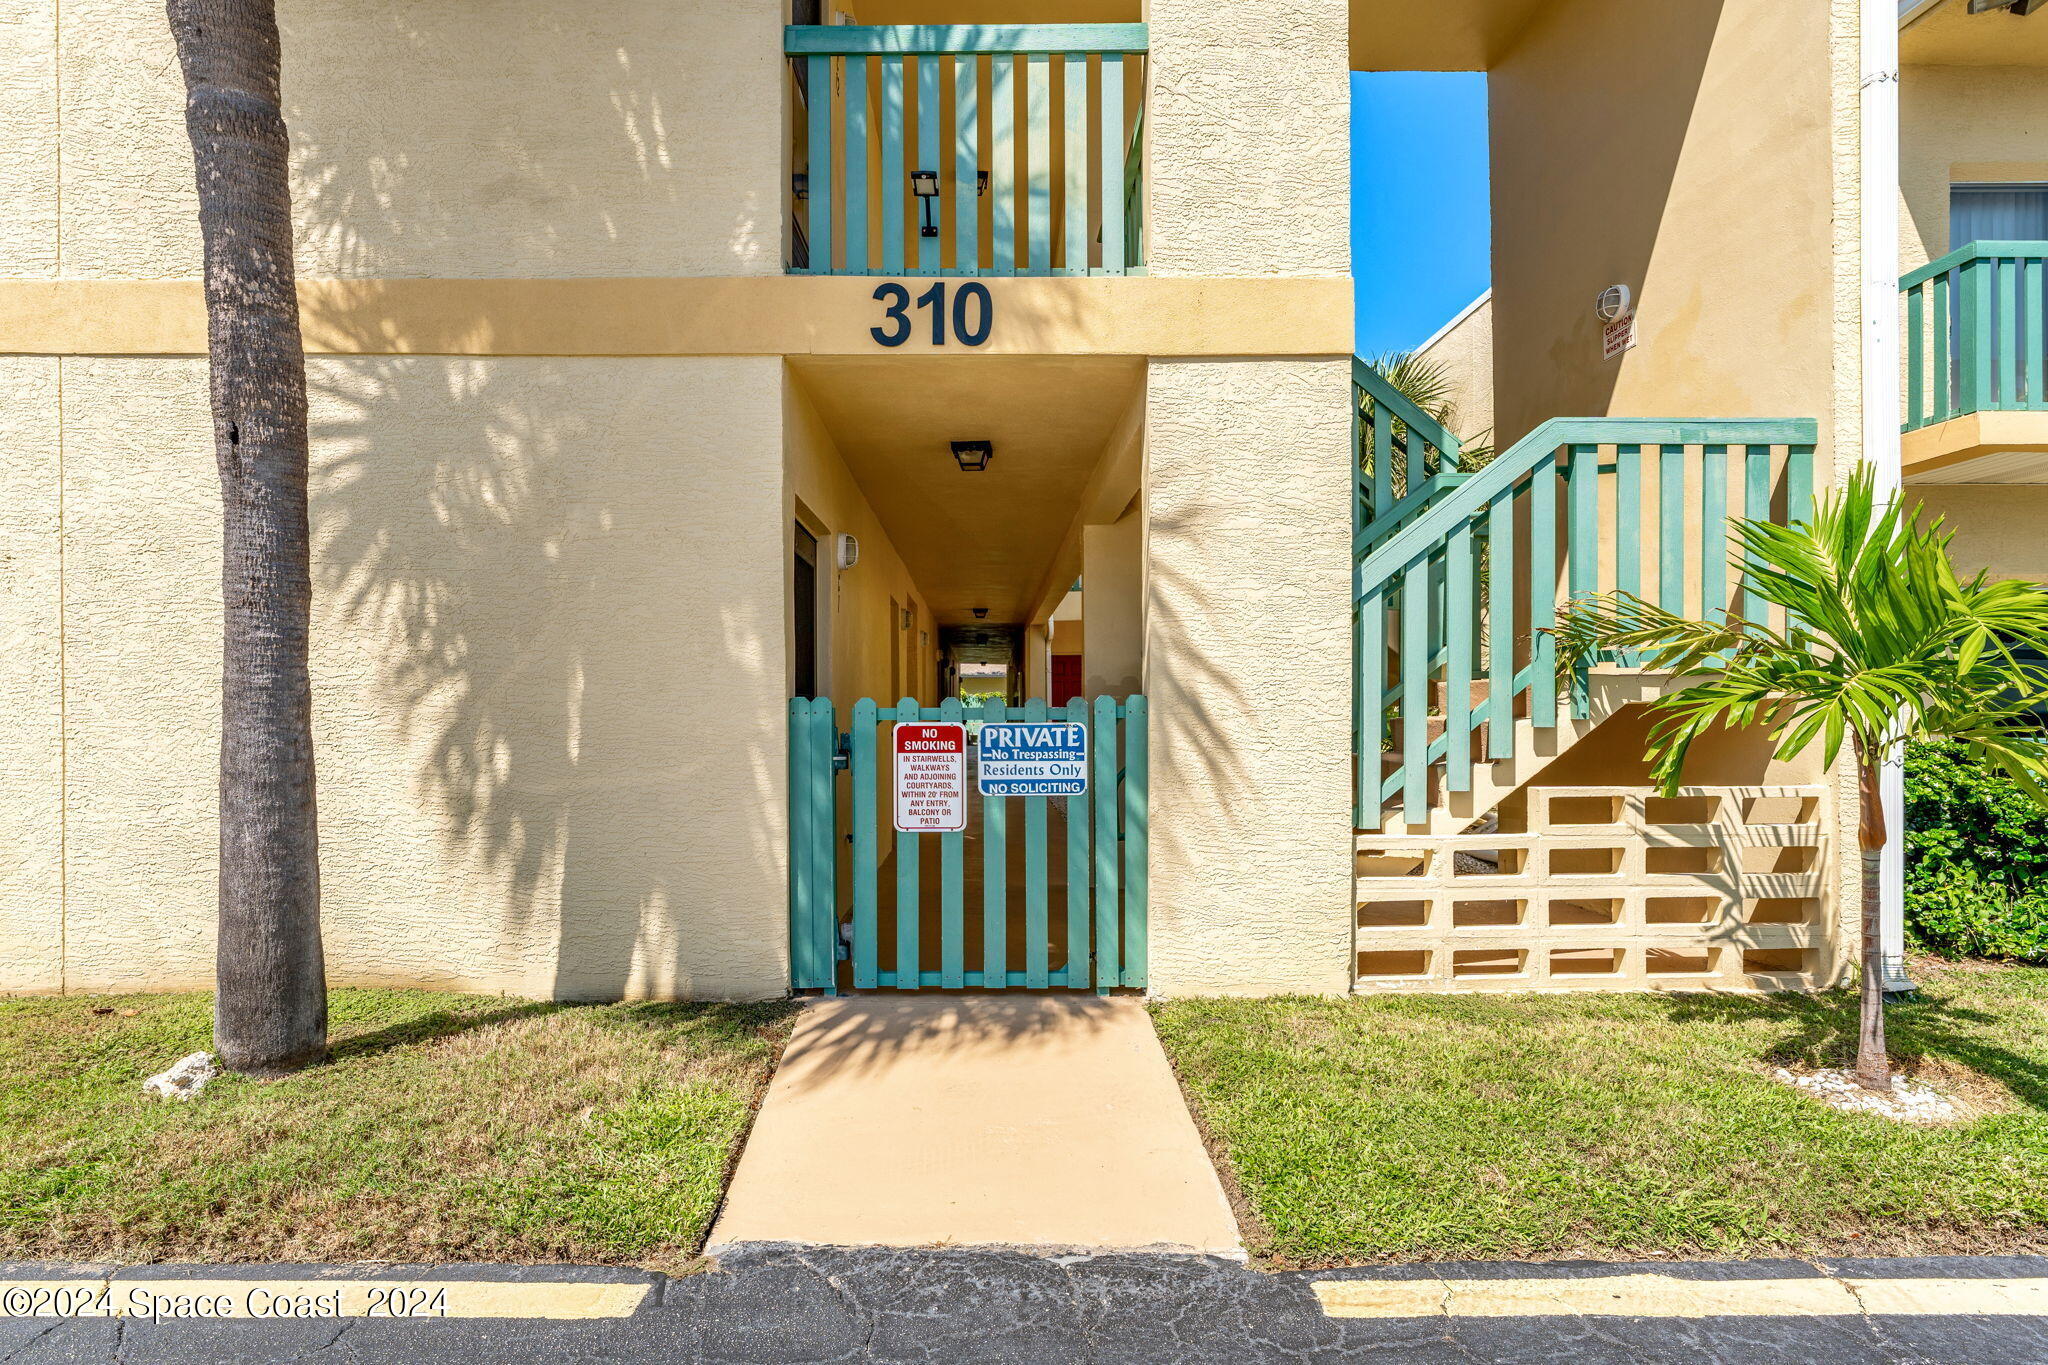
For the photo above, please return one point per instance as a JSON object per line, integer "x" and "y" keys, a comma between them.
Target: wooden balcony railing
{"x": 966, "y": 149}
{"x": 1974, "y": 332}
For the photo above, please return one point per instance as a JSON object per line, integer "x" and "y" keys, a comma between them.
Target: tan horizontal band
{"x": 1675, "y": 1296}
{"x": 122, "y": 1297}
{"x": 765, "y": 315}
{"x": 1962, "y": 439}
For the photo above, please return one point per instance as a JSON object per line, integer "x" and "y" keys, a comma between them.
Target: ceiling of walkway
{"x": 1949, "y": 35}
{"x": 984, "y": 539}
{"x": 1441, "y": 35}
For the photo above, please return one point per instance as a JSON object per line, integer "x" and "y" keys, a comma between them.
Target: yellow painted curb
{"x": 316, "y": 1298}
{"x": 1671, "y": 1296}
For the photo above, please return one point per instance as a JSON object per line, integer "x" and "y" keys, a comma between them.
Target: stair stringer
{"x": 1609, "y": 691}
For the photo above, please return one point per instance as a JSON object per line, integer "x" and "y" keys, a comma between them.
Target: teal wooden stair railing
{"x": 1397, "y": 448}
{"x": 1458, "y": 602}
{"x": 1974, "y": 332}
{"x": 962, "y": 149}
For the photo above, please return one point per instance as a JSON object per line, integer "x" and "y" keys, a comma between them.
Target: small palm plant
{"x": 1427, "y": 384}
{"x": 1882, "y": 644}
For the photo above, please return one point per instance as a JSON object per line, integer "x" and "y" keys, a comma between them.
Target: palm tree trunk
{"x": 1873, "y": 1067}
{"x": 270, "y": 1014}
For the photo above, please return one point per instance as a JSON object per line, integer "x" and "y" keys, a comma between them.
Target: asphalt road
{"x": 774, "y": 1305}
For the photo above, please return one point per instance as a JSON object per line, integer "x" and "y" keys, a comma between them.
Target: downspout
{"x": 1879, "y": 179}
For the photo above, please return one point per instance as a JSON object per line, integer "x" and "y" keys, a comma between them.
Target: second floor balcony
{"x": 967, "y": 149}
{"x": 1974, "y": 333}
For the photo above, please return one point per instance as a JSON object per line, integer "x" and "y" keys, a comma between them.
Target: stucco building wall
{"x": 1248, "y": 649}
{"x": 858, "y": 634}
{"x": 1247, "y": 572}
{"x": 1963, "y": 123}
{"x": 1633, "y": 144}
{"x": 1997, "y": 526}
{"x": 1247, "y": 138}
{"x": 1463, "y": 350}
{"x": 1113, "y": 586}
{"x": 548, "y": 667}
{"x": 618, "y": 137}
{"x": 31, "y": 701}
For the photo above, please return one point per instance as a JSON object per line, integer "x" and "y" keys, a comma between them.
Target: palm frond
{"x": 1882, "y": 641}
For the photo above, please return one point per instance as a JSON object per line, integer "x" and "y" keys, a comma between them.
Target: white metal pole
{"x": 1880, "y": 254}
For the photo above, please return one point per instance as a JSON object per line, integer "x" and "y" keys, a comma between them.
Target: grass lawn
{"x": 446, "y": 1127}
{"x": 1428, "y": 1127}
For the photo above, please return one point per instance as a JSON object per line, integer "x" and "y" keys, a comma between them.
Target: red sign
{"x": 931, "y": 777}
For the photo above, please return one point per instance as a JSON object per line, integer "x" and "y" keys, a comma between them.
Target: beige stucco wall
{"x": 619, "y": 137}
{"x": 858, "y": 634}
{"x": 1247, "y": 664}
{"x": 1997, "y": 526}
{"x": 1963, "y": 123}
{"x": 1247, "y": 138}
{"x": 1685, "y": 151}
{"x": 549, "y": 669}
{"x": 1463, "y": 350}
{"x": 1113, "y": 588}
{"x": 31, "y": 702}
{"x": 1247, "y": 613}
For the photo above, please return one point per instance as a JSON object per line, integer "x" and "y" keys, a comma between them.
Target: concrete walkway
{"x": 1044, "y": 1121}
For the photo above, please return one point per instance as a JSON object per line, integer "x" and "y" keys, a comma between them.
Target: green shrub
{"x": 1965, "y": 914}
{"x": 1976, "y": 860}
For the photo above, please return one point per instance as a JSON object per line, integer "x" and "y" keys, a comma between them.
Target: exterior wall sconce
{"x": 980, "y": 183}
{"x": 925, "y": 185}
{"x": 973, "y": 456}
{"x": 800, "y": 184}
{"x": 981, "y": 613}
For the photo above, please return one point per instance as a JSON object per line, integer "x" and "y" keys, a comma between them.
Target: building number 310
{"x": 973, "y": 313}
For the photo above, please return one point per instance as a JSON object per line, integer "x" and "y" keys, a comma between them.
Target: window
{"x": 1997, "y": 213}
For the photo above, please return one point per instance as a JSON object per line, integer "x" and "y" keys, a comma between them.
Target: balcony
{"x": 1975, "y": 356}
{"x": 967, "y": 150}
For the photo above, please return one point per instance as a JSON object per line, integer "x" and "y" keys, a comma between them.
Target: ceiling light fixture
{"x": 973, "y": 456}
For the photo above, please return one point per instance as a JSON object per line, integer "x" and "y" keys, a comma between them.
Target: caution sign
{"x": 931, "y": 777}
{"x": 1618, "y": 336}
{"x": 1034, "y": 758}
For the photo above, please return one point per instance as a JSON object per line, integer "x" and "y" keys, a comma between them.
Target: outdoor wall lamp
{"x": 800, "y": 184}
{"x": 980, "y": 183}
{"x": 981, "y": 613}
{"x": 973, "y": 456}
{"x": 925, "y": 185}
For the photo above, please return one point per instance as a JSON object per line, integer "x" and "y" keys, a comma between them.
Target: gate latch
{"x": 842, "y": 753}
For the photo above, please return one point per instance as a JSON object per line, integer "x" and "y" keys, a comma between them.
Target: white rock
{"x": 1909, "y": 1102}
{"x": 183, "y": 1080}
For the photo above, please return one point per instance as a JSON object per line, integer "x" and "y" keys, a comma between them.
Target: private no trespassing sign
{"x": 931, "y": 777}
{"x": 1034, "y": 758}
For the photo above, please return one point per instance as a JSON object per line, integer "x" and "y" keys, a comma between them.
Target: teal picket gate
{"x": 1062, "y": 881}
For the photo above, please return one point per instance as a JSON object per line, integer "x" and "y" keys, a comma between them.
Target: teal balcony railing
{"x": 967, "y": 149}
{"x": 1974, "y": 332}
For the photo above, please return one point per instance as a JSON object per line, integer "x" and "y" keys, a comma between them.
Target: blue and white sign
{"x": 1033, "y": 758}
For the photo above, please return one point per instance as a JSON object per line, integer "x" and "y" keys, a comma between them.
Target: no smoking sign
{"x": 931, "y": 777}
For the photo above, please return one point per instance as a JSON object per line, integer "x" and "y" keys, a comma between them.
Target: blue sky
{"x": 1420, "y": 237}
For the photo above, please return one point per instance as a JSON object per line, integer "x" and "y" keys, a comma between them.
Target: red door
{"x": 1066, "y": 678}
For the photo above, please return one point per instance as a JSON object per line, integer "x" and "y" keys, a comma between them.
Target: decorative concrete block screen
{"x": 1605, "y": 888}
